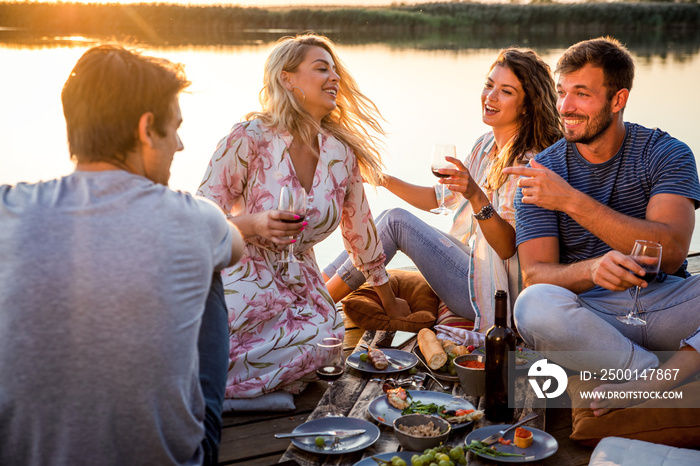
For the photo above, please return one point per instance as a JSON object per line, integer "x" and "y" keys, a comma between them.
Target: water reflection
{"x": 427, "y": 88}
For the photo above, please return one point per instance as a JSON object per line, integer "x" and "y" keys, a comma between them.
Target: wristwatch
{"x": 485, "y": 213}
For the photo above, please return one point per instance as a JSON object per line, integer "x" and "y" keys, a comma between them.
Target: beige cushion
{"x": 667, "y": 422}
{"x": 363, "y": 306}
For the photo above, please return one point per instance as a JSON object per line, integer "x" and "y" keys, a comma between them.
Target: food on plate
{"x": 423, "y": 430}
{"x": 523, "y": 437}
{"x": 377, "y": 358}
{"x": 458, "y": 350}
{"x": 461, "y": 415}
{"x": 398, "y": 398}
{"x": 431, "y": 348}
{"x": 446, "y": 343}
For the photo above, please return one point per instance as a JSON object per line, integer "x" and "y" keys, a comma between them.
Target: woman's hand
{"x": 270, "y": 225}
{"x": 460, "y": 179}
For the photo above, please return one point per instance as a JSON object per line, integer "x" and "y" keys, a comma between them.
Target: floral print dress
{"x": 278, "y": 310}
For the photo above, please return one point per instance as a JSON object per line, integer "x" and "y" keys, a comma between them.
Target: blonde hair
{"x": 539, "y": 126}
{"x": 355, "y": 120}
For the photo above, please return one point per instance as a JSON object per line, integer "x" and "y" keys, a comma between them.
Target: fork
{"x": 493, "y": 438}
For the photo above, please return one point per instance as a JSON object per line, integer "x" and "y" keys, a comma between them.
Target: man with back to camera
{"x": 108, "y": 354}
{"x": 580, "y": 207}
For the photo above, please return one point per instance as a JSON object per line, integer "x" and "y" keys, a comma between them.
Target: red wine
{"x": 648, "y": 276}
{"x": 329, "y": 373}
{"x": 300, "y": 219}
{"x": 499, "y": 341}
{"x": 438, "y": 174}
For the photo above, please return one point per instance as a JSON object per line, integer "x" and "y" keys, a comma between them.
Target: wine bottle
{"x": 500, "y": 339}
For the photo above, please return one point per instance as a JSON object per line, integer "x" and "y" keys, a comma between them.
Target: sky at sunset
{"x": 251, "y": 3}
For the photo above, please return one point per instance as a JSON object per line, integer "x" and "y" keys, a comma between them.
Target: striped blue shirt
{"x": 649, "y": 162}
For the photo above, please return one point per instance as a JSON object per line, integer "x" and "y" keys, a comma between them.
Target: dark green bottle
{"x": 500, "y": 339}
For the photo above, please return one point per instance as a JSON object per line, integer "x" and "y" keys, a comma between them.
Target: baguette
{"x": 431, "y": 348}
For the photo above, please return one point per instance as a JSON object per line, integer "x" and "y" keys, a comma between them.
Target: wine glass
{"x": 440, "y": 151}
{"x": 329, "y": 353}
{"x": 648, "y": 255}
{"x": 293, "y": 200}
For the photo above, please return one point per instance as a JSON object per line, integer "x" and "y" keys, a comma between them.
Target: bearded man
{"x": 580, "y": 206}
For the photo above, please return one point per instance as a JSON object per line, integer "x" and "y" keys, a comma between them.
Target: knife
{"x": 332, "y": 433}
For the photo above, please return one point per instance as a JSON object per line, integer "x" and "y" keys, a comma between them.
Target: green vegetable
{"x": 364, "y": 357}
{"x": 479, "y": 447}
{"x": 422, "y": 408}
{"x": 320, "y": 442}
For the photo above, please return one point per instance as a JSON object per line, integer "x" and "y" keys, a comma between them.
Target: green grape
{"x": 417, "y": 461}
{"x": 320, "y": 442}
{"x": 413, "y": 371}
{"x": 364, "y": 357}
{"x": 444, "y": 463}
{"x": 396, "y": 461}
{"x": 456, "y": 453}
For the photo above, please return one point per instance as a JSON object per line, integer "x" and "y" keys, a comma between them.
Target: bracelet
{"x": 485, "y": 213}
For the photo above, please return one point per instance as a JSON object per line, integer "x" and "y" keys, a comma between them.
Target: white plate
{"x": 543, "y": 444}
{"x": 346, "y": 445}
{"x": 406, "y": 359}
{"x": 382, "y": 412}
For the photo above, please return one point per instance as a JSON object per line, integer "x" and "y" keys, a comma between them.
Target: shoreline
{"x": 456, "y": 24}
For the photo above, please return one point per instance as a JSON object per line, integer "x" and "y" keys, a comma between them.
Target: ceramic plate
{"x": 444, "y": 376}
{"x": 346, "y": 445}
{"x": 404, "y": 455}
{"x": 543, "y": 444}
{"x": 384, "y": 413}
{"x": 406, "y": 359}
{"x": 531, "y": 356}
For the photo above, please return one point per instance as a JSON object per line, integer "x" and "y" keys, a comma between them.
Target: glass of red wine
{"x": 329, "y": 356}
{"x": 293, "y": 200}
{"x": 648, "y": 255}
{"x": 440, "y": 151}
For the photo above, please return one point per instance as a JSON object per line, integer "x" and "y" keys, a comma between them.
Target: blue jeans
{"x": 558, "y": 322}
{"x": 442, "y": 259}
{"x": 213, "y": 346}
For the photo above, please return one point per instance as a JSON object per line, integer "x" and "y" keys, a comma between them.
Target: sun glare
{"x": 245, "y": 3}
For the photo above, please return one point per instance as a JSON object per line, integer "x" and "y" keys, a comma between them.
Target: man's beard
{"x": 594, "y": 127}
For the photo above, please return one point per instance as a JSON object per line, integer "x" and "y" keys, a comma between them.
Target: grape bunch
{"x": 440, "y": 456}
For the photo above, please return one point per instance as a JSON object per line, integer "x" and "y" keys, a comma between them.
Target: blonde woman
{"x": 467, "y": 265}
{"x": 315, "y": 130}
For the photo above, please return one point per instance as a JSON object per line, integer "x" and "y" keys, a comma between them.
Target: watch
{"x": 485, "y": 213}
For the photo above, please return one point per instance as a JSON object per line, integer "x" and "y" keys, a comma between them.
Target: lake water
{"x": 426, "y": 96}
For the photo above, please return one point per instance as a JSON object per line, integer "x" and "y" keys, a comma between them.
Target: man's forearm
{"x": 574, "y": 277}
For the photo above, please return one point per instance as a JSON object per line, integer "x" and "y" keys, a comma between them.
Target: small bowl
{"x": 415, "y": 443}
{"x": 473, "y": 380}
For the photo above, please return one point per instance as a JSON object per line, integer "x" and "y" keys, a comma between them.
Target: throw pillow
{"x": 663, "y": 421}
{"x": 364, "y": 308}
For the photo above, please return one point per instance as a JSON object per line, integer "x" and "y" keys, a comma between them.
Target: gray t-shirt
{"x": 103, "y": 281}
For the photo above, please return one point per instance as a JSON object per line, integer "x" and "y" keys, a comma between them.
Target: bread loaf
{"x": 431, "y": 348}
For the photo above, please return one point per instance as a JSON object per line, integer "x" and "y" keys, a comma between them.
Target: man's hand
{"x": 616, "y": 272}
{"x": 542, "y": 187}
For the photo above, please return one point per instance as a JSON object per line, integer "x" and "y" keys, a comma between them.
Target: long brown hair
{"x": 355, "y": 120}
{"x": 539, "y": 125}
